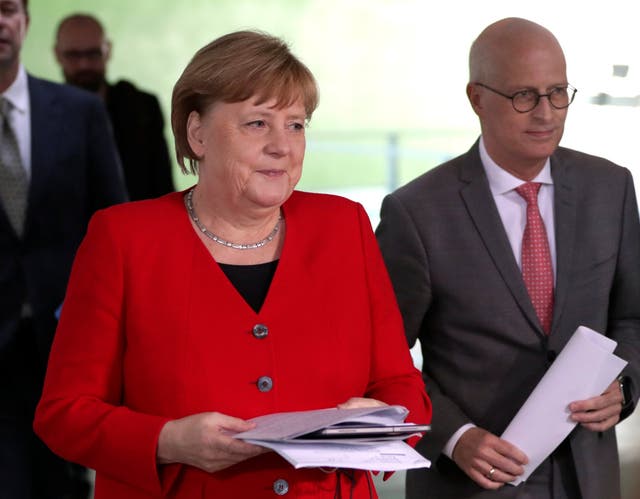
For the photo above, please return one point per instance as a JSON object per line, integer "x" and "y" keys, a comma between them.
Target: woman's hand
{"x": 358, "y": 402}
{"x": 203, "y": 441}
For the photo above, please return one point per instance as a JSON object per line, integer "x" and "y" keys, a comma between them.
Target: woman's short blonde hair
{"x": 233, "y": 68}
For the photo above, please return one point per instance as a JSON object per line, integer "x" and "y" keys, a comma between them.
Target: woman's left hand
{"x": 359, "y": 402}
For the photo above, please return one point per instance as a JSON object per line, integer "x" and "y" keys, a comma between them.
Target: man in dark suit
{"x": 494, "y": 284}
{"x": 83, "y": 50}
{"x": 58, "y": 164}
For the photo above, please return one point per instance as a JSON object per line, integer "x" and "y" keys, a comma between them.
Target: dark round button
{"x": 260, "y": 331}
{"x": 265, "y": 383}
{"x": 551, "y": 355}
{"x": 280, "y": 487}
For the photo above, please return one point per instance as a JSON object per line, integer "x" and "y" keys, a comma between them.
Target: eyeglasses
{"x": 92, "y": 55}
{"x": 524, "y": 101}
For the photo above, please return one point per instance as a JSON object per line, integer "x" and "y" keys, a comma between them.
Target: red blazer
{"x": 152, "y": 330}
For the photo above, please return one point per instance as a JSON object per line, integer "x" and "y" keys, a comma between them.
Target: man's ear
{"x": 107, "y": 50}
{"x": 475, "y": 98}
{"x": 58, "y": 54}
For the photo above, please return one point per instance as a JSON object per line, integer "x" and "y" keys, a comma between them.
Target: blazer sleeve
{"x": 408, "y": 264}
{"x": 624, "y": 310}
{"x": 80, "y": 416}
{"x": 394, "y": 379}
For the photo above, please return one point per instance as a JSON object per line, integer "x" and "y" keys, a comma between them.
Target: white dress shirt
{"x": 20, "y": 119}
{"x": 513, "y": 212}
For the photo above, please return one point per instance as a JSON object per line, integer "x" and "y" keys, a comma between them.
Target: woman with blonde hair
{"x": 189, "y": 314}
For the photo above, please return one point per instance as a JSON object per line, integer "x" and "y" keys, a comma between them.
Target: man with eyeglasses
{"x": 83, "y": 51}
{"x": 58, "y": 165}
{"x": 496, "y": 257}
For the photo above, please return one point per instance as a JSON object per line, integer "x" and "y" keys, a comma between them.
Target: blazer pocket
{"x": 592, "y": 264}
{"x": 599, "y": 270}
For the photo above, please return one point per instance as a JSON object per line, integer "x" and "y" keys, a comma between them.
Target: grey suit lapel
{"x": 565, "y": 222}
{"x": 482, "y": 209}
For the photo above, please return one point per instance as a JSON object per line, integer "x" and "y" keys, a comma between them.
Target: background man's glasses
{"x": 92, "y": 55}
{"x": 524, "y": 101}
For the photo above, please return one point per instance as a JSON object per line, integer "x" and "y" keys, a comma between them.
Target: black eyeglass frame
{"x": 573, "y": 89}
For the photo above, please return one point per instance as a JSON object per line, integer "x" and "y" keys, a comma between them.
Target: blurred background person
{"x": 58, "y": 164}
{"x": 189, "y": 314}
{"x": 83, "y": 51}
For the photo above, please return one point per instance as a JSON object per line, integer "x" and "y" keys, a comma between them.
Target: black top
{"x": 251, "y": 281}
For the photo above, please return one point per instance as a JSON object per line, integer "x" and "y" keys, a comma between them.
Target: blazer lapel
{"x": 482, "y": 209}
{"x": 45, "y": 128}
{"x": 565, "y": 222}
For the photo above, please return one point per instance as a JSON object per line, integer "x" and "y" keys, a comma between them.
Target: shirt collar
{"x": 18, "y": 92}
{"x": 501, "y": 181}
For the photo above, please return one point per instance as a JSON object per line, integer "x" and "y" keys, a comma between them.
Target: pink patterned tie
{"x": 536, "y": 257}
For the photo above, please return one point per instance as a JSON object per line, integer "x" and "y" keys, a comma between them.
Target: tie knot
{"x": 529, "y": 192}
{"x": 5, "y": 107}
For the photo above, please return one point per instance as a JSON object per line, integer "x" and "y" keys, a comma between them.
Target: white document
{"x": 374, "y": 456}
{"x": 585, "y": 367}
{"x": 288, "y": 425}
{"x": 285, "y": 433}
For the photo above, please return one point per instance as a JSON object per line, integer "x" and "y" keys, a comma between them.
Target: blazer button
{"x": 260, "y": 331}
{"x": 280, "y": 487}
{"x": 265, "y": 383}
{"x": 551, "y": 356}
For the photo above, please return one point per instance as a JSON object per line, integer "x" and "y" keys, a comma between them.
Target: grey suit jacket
{"x": 462, "y": 294}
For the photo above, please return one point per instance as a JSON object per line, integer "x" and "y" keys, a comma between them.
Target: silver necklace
{"x": 188, "y": 201}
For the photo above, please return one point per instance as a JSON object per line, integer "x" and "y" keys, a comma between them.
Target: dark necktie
{"x": 536, "y": 257}
{"x": 14, "y": 183}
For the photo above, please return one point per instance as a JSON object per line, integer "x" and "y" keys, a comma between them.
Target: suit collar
{"x": 565, "y": 183}
{"x": 502, "y": 181}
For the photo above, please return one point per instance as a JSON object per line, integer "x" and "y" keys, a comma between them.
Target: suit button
{"x": 265, "y": 383}
{"x": 260, "y": 331}
{"x": 280, "y": 487}
{"x": 551, "y": 356}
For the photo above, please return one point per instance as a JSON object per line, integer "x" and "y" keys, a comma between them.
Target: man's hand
{"x": 487, "y": 459}
{"x": 599, "y": 413}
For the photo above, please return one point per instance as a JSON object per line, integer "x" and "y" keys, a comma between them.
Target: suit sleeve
{"x": 80, "y": 415}
{"x": 407, "y": 261}
{"x": 624, "y": 311}
{"x": 106, "y": 179}
{"x": 393, "y": 379}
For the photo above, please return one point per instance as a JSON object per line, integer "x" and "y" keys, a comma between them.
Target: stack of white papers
{"x": 300, "y": 438}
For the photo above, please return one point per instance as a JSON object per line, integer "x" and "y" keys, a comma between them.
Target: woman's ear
{"x": 195, "y": 133}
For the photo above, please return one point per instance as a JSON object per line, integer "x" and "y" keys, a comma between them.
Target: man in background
{"x": 496, "y": 257}
{"x": 58, "y": 165}
{"x": 83, "y": 50}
